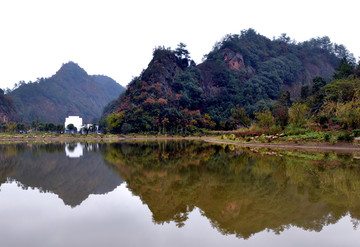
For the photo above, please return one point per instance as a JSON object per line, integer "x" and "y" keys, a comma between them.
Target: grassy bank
{"x": 292, "y": 136}
{"x": 271, "y": 138}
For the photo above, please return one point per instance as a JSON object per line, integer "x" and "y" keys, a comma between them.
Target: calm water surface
{"x": 176, "y": 194}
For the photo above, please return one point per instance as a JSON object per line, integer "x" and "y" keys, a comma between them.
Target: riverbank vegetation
{"x": 325, "y": 112}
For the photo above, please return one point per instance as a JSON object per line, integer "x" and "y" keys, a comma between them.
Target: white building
{"x": 75, "y": 120}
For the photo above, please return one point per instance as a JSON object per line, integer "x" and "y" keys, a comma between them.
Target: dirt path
{"x": 322, "y": 147}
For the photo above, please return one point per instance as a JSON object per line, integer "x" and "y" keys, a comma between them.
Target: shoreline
{"x": 310, "y": 146}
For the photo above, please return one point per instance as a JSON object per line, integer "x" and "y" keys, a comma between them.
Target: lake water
{"x": 176, "y": 194}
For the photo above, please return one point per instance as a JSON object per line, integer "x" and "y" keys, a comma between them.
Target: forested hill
{"x": 71, "y": 91}
{"x": 246, "y": 70}
{"x": 7, "y": 109}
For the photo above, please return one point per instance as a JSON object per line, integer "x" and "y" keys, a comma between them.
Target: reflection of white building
{"x": 75, "y": 120}
{"x": 74, "y": 150}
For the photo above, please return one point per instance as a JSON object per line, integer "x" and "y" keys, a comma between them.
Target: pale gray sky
{"x": 116, "y": 38}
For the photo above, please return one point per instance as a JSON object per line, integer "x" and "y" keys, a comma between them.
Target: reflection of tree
{"x": 47, "y": 168}
{"x": 240, "y": 192}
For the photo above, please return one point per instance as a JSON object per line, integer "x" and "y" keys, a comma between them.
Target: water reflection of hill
{"x": 240, "y": 192}
{"x": 47, "y": 168}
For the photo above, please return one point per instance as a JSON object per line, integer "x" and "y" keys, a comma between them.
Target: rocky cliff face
{"x": 162, "y": 71}
{"x": 234, "y": 60}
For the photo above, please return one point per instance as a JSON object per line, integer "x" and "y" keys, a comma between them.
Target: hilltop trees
{"x": 181, "y": 51}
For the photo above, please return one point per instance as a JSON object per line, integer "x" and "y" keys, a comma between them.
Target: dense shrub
{"x": 345, "y": 137}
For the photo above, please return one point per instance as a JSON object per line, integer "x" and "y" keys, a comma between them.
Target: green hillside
{"x": 246, "y": 71}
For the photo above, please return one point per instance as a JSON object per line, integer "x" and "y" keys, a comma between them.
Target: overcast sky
{"x": 116, "y": 38}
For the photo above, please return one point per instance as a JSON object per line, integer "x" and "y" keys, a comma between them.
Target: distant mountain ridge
{"x": 71, "y": 91}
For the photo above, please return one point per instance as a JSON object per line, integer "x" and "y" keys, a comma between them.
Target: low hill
{"x": 247, "y": 70}
{"x": 71, "y": 91}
